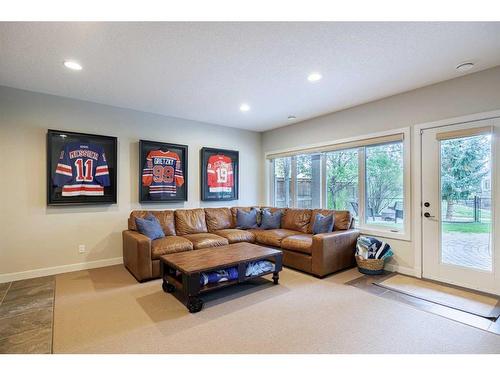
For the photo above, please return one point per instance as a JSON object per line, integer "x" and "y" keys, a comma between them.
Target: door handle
{"x": 428, "y": 215}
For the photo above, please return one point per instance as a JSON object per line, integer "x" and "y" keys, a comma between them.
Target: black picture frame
{"x": 207, "y": 191}
{"x": 181, "y": 192}
{"x": 57, "y": 140}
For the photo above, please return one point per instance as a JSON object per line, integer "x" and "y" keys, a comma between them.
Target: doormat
{"x": 480, "y": 304}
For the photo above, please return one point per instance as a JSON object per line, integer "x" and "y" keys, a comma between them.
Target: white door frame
{"x": 417, "y": 175}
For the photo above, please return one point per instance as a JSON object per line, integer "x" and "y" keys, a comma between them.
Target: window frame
{"x": 272, "y": 184}
{"x": 324, "y": 191}
{"x": 361, "y": 224}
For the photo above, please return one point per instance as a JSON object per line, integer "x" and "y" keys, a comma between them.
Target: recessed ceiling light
{"x": 463, "y": 67}
{"x": 73, "y": 65}
{"x": 292, "y": 117}
{"x": 314, "y": 77}
{"x": 244, "y": 107}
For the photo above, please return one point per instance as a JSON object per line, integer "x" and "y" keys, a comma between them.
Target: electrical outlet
{"x": 81, "y": 249}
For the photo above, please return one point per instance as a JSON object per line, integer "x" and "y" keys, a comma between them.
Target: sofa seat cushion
{"x": 204, "y": 240}
{"x": 236, "y": 235}
{"x": 300, "y": 242}
{"x": 254, "y": 231}
{"x": 169, "y": 245}
{"x": 273, "y": 237}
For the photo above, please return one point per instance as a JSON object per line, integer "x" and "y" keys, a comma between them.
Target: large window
{"x": 308, "y": 181}
{"x": 342, "y": 191}
{"x": 282, "y": 182}
{"x": 384, "y": 203}
{"x": 365, "y": 177}
{"x": 297, "y": 181}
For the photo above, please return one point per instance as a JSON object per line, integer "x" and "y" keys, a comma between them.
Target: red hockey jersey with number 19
{"x": 82, "y": 170}
{"x": 163, "y": 174}
{"x": 220, "y": 174}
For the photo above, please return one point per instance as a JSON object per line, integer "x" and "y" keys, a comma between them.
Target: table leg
{"x": 194, "y": 304}
{"x": 165, "y": 271}
{"x": 191, "y": 288}
{"x": 167, "y": 287}
{"x": 278, "y": 265}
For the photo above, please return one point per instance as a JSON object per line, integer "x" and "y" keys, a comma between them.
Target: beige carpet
{"x": 475, "y": 303}
{"x": 106, "y": 311}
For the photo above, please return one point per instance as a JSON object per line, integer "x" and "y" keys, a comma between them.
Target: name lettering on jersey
{"x": 220, "y": 163}
{"x": 163, "y": 161}
{"x": 83, "y": 153}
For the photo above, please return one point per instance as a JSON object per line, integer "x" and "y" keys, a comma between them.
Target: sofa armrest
{"x": 137, "y": 254}
{"x": 334, "y": 251}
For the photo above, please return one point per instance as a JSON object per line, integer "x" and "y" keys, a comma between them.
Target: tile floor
{"x": 365, "y": 282}
{"x": 26, "y": 315}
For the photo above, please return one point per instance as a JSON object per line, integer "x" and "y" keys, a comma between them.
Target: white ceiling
{"x": 204, "y": 71}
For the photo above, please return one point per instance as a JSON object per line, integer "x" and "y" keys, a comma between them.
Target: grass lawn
{"x": 386, "y": 224}
{"x": 467, "y": 227}
{"x": 462, "y": 211}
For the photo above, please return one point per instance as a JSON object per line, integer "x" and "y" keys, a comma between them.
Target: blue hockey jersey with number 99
{"x": 82, "y": 170}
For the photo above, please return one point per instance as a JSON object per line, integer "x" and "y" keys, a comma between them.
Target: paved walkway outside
{"x": 467, "y": 249}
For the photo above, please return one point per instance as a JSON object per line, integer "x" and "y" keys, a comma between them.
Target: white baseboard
{"x": 403, "y": 270}
{"x": 7, "y": 277}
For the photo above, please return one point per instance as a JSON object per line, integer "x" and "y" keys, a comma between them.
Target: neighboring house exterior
{"x": 486, "y": 187}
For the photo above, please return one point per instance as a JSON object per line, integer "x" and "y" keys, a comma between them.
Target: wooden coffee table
{"x": 182, "y": 271}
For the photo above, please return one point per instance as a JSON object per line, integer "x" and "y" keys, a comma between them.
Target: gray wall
{"x": 473, "y": 93}
{"x": 34, "y": 236}
{"x": 478, "y": 92}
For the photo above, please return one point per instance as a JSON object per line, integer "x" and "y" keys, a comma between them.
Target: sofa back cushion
{"x": 274, "y": 209}
{"x": 166, "y": 219}
{"x": 343, "y": 220}
{"x": 218, "y": 218}
{"x": 296, "y": 219}
{"x": 190, "y": 221}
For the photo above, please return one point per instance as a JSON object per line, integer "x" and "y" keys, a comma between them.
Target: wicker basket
{"x": 370, "y": 266}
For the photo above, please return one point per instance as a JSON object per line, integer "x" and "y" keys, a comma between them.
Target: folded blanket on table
{"x": 261, "y": 266}
{"x": 219, "y": 276}
{"x": 228, "y": 274}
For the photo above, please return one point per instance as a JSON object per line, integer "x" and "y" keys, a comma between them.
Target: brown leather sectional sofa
{"x": 191, "y": 229}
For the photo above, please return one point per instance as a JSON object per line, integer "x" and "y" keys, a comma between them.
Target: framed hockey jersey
{"x": 81, "y": 168}
{"x": 163, "y": 172}
{"x": 219, "y": 174}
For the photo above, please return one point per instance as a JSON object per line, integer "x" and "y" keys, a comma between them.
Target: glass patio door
{"x": 459, "y": 205}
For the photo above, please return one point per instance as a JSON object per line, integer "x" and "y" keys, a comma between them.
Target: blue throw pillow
{"x": 150, "y": 227}
{"x": 246, "y": 220}
{"x": 270, "y": 220}
{"x": 323, "y": 224}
